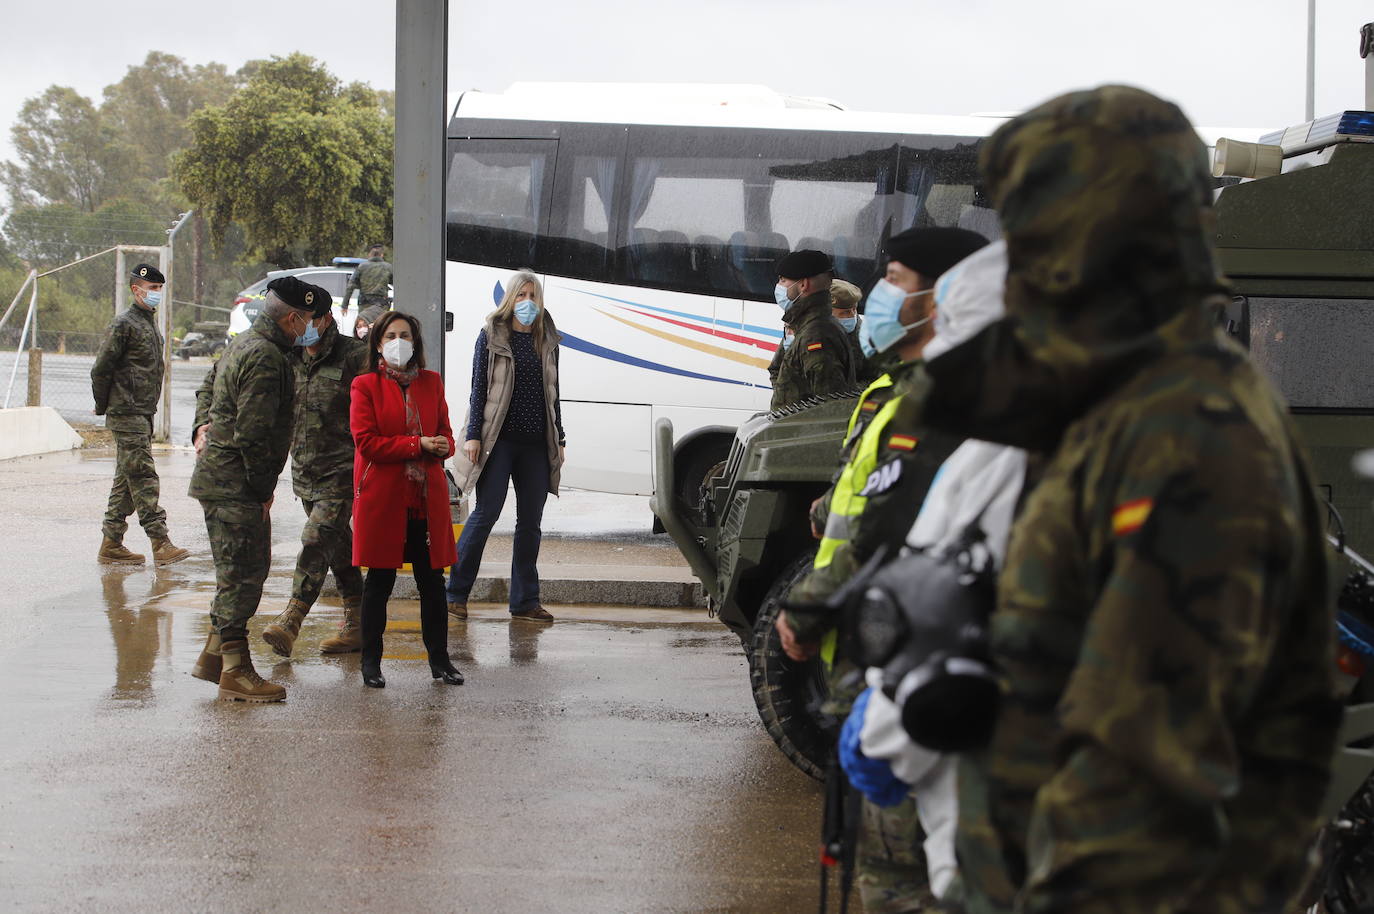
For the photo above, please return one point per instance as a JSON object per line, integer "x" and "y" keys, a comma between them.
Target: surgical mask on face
{"x": 361, "y": 331}
{"x": 397, "y": 352}
{"x": 882, "y": 317}
{"x": 526, "y": 311}
{"x": 848, "y": 323}
{"x": 310, "y": 337}
{"x": 152, "y": 298}
{"x": 787, "y": 341}
{"x": 866, "y": 344}
{"x": 780, "y": 296}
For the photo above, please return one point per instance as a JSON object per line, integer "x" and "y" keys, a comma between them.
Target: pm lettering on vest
{"x": 883, "y": 478}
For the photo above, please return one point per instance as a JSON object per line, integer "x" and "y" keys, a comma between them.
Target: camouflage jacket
{"x": 249, "y": 411}
{"x": 1162, "y": 622}
{"x": 372, "y": 278}
{"x": 126, "y": 379}
{"x": 322, "y": 443}
{"x": 321, "y": 439}
{"x": 818, "y": 361}
{"x": 908, "y": 457}
{"x": 862, "y": 373}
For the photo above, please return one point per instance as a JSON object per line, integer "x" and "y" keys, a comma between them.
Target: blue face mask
{"x": 310, "y": 337}
{"x": 526, "y": 311}
{"x": 787, "y": 341}
{"x": 882, "y": 317}
{"x": 152, "y": 298}
{"x": 780, "y": 296}
{"x": 865, "y": 343}
{"x": 848, "y": 323}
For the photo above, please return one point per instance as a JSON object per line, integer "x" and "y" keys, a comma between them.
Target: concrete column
{"x": 421, "y": 133}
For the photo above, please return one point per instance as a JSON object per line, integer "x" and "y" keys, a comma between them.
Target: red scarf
{"x": 416, "y": 483}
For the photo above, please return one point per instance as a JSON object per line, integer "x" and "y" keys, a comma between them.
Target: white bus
{"x": 654, "y": 216}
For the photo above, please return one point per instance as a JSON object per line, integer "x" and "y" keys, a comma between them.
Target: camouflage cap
{"x": 1105, "y": 200}
{"x": 844, "y": 294}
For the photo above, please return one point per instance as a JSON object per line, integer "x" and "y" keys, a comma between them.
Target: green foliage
{"x": 301, "y": 163}
{"x": 67, "y": 153}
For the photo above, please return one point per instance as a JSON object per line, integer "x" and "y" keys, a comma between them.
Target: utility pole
{"x": 164, "y": 431}
{"x": 1311, "y": 60}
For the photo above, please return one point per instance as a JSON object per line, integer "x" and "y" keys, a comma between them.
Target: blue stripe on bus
{"x": 753, "y": 328}
{"x": 581, "y": 345}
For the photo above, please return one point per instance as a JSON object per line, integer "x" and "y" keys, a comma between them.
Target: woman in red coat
{"x": 400, "y": 494}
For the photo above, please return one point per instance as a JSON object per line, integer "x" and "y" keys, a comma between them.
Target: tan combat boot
{"x": 164, "y": 553}
{"x": 239, "y": 681}
{"x": 350, "y": 636}
{"x": 113, "y": 553}
{"x": 281, "y": 632}
{"x": 209, "y": 664}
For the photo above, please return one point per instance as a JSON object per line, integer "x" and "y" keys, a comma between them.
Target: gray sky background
{"x": 1227, "y": 62}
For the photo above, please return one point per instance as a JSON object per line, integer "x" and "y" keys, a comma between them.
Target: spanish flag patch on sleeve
{"x": 1131, "y": 516}
{"x": 812, "y": 347}
{"x": 902, "y": 443}
{"x": 868, "y": 406}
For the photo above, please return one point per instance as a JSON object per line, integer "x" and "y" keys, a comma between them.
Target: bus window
{"x": 940, "y": 186}
{"x": 498, "y": 199}
{"x": 716, "y": 223}
{"x": 583, "y": 219}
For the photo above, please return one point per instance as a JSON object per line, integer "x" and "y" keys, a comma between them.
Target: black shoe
{"x": 374, "y": 679}
{"x": 448, "y": 674}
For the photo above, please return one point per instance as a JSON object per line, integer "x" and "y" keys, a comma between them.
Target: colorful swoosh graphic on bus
{"x": 581, "y": 345}
{"x": 690, "y": 343}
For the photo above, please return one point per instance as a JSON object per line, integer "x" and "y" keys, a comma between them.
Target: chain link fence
{"x": 75, "y": 303}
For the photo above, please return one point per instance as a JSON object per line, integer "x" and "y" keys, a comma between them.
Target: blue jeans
{"x": 528, "y": 466}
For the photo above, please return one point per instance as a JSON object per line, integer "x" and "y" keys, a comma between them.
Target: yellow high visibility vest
{"x": 847, "y": 504}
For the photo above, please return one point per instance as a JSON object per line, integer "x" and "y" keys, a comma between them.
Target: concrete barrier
{"x": 27, "y": 430}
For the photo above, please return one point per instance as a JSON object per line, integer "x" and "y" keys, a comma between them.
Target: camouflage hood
{"x": 1105, "y": 201}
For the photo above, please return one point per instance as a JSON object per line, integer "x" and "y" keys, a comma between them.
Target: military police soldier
{"x": 249, "y": 435}
{"x": 818, "y": 360}
{"x": 888, "y": 462}
{"x": 126, "y": 381}
{"x": 372, "y": 279}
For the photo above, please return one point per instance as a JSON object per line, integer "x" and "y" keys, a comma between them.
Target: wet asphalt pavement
{"x": 610, "y": 762}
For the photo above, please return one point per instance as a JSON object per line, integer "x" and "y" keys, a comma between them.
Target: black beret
{"x": 931, "y": 251}
{"x": 804, "y": 265}
{"x": 319, "y": 297}
{"x": 147, "y": 272}
{"x": 294, "y": 292}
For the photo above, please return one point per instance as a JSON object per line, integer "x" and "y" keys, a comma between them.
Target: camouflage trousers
{"x": 890, "y": 861}
{"x": 327, "y": 545}
{"x": 136, "y": 486}
{"x": 241, "y": 544}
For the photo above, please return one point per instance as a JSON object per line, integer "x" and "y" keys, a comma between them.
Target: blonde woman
{"x": 514, "y": 433}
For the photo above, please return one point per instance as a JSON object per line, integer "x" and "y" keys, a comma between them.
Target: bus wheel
{"x": 789, "y": 694}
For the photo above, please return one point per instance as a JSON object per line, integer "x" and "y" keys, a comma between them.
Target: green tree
{"x": 150, "y": 106}
{"x": 302, "y": 163}
{"x": 67, "y": 153}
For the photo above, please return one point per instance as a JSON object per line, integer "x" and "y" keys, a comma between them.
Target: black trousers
{"x": 433, "y": 612}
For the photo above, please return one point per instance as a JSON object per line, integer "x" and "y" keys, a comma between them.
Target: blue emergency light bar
{"x": 1334, "y": 128}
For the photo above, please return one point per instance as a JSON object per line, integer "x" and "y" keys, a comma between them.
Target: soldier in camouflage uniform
{"x": 248, "y": 438}
{"x": 126, "y": 382}
{"x": 372, "y": 279}
{"x": 887, "y": 463}
{"x": 321, "y": 475}
{"x": 1162, "y": 620}
{"x": 844, "y": 307}
{"x": 818, "y": 360}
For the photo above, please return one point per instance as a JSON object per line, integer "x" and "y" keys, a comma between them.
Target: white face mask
{"x": 397, "y": 352}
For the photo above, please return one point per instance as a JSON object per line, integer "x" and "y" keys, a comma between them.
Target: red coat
{"x": 378, "y": 420}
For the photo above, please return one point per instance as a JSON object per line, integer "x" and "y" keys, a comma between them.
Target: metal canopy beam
{"x": 421, "y": 128}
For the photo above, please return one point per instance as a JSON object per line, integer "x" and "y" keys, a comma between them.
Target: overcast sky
{"x": 1227, "y": 62}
